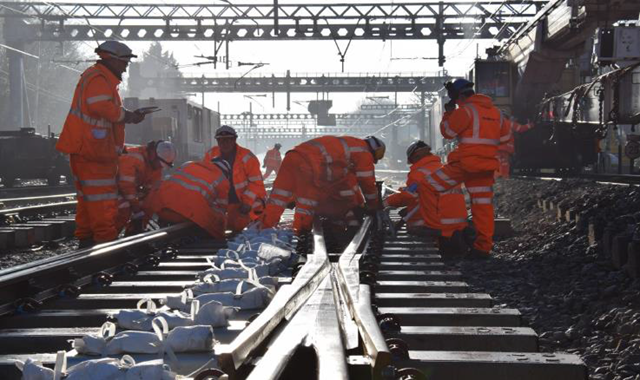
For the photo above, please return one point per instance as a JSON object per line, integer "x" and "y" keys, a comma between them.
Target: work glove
{"x": 450, "y": 106}
{"x": 131, "y": 117}
{"x": 244, "y": 209}
{"x": 385, "y": 224}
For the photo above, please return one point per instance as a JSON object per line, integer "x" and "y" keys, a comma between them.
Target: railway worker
{"x": 272, "y": 160}
{"x": 440, "y": 214}
{"x": 475, "y": 123}
{"x": 196, "y": 192}
{"x": 318, "y": 170}
{"x": 247, "y": 194}
{"x": 507, "y": 149}
{"x": 140, "y": 171}
{"x": 93, "y": 137}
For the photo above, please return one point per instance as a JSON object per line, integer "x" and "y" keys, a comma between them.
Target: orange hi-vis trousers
{"x": 479, "y": 184}
{"x": 294, "y": 182}
{"x": 97, "y": 194}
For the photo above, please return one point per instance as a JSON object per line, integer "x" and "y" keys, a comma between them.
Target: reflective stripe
{"x": 307, "y": 201}
{"x": 241, "y": 185}
{"x": 347, "y": 151}
{"x": 122, "y": 115}
{"x": 480, "y": 189}
{"x": 411, "y": 212}
{"x": 371, "y": 197}
{"x": 433, "y": 183}
{"x": 304, "y": 211}
{"x": 417, "y": 223}
{"x": 453, "y": 220}
{"x": 281, "y": 192}
{"x": 277, "y": 202}
{"x": 98, "y": 98}
{"x": 479, "y": 141}
{"x": 100, "y": 123}
{"x": 346, "y": 193}
{"x": 127, "y": 178}
{"x": 256, "y": 204}
{"x": 255, "y": 178}
{"x": 189, "y": 186}
{"x": 222, "y": 201}
{"x": 326, "y": 156}
{"x": 481, "y": 201}
{"x": 506, "y": 137}
{"x": 193, "y": 178}
{"x": 425, "y": 171}
{"x": 358, "y": 149}
{"x": 445, "y": 178}
{"x": 124, "y": 205}
{"x": 250, "y": 194}
{"x": 100, "y": 197}
{"x": 99, "y": 182}
{"x": 247, "y": 157}
{"x": 448, "y": 130}
{"x": 370, "y": 173}
{"x": 137, "y": 156}
{"x": 453, "y": 191}
{"x": 130, "y": 196}
{"x": 476, "y": 120}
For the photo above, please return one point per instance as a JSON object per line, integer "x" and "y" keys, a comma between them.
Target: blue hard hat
{"x": 460, "y": 84}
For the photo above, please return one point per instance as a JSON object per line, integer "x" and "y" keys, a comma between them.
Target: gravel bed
{"x": 567, "y": 290}
{"x": 13, "y": 257}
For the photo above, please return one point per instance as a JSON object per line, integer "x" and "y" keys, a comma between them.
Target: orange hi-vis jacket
{"x": 445, "y": 211}
{"x": 333, "y": 159}
{"x": 273, "y": 159}
{"x": 198, "y": 191}
{"x": 478, "y": 126}
{"x": 136, "y": 177}
{"x": 509, "y": 146}
{"x": 94, "y": 128}
{"x": 247, "y": 177}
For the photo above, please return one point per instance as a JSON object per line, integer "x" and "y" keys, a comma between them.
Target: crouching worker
{"x": 428, "y": 212}
{"x": 139, "y": 172}
{"x": 320, "y": 169}
{"x": 196, "y": 192}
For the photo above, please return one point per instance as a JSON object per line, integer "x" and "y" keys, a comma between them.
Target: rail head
{"x": 287, "y": 301}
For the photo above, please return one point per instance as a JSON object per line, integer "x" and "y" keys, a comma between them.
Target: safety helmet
{"x": 223, "y": 165}
{"x": 115, "y": 49}
{"x": 457, "y": 87}
{"x": 166, "y": 153}
{"x": 416, "y": 146}
{"x": 376, "y": 146}
{"x": 226, "y": 131}
{"x": 278, "y": 146}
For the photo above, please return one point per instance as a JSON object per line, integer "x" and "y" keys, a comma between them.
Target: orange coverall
{"x": 93, "y": 136}
{"x": 272, "y": 161}
{"x": 446, "y": 212}
{"x": 198, "y": 192}
{"x": 477, "y": 126}
{"x": 248, "y": 184}
{"x": 507, "y": 149}
{"x": 136, "y": 179}
{"x": 324, "y": 171}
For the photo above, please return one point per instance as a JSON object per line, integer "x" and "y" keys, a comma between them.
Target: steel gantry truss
{"x": 67, "y": 21}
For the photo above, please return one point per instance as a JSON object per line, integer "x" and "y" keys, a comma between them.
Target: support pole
{"x": 422, "y": 123}
{"x": 16, "y": 79}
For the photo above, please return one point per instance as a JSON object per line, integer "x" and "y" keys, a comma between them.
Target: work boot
{"x": 476, "y": 254}
{"x": 85, "y": 243}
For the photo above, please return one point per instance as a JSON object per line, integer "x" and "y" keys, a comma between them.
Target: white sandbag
{"x": 255, "y": 298}
{"x": 197, "y": 338}
{"x": 269, "y": 252}
{"x": 139, "y": 342}
{"x": 98, "y": 369}
{"x": 223, "y": 274}
{"x": 181, "y": 301}
{"x": 34, "y": 370}
{"x": 228, "y": 285}
{"x": 94, "y": 344}
{"x": 150, "y": 370}
{"x": 214, "y": 314}
{"x": 176, "y": 318}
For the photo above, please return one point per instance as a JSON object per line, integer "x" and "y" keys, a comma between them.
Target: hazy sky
{"x": 319, "y": 57}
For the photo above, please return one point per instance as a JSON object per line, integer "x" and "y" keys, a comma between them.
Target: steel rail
{"x": 37, "y": 208}
{"x": 41, "y": 280}
{"x": 287, "y": 301}
{"x": 359, "y": 303}
{"x": 35, "y": 198}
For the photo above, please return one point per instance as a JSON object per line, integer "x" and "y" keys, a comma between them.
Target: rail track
{"x": 379, "y": 308}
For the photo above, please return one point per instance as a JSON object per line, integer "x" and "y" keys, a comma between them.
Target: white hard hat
{"x": 377, "y": 147}
{"x": 115, "y": 49}
{"x": 415, "y": 146}
{"x": 166, "y": 152}
{"x": 226, "y": 131}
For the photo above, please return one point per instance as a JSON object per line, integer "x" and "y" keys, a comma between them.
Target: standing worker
{"x": 444, "y": 213}
{"x": 477, "y": 126}
{"x": 140, "y": 171}
{"x": 93, "y": 137}
{"x": 320, "y": 168}
{"x": 272, "y": 160}
{"x": 507, "y": 149}
{"x": 196, "y": 192}
{"x": 247, "y": 193}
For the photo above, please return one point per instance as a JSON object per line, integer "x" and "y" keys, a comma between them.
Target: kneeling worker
{"x": 196, "y": 192}
{"x": 140, "y": 171}
{"x": 444, "y": 213}
{"x": 319, "y": 169}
